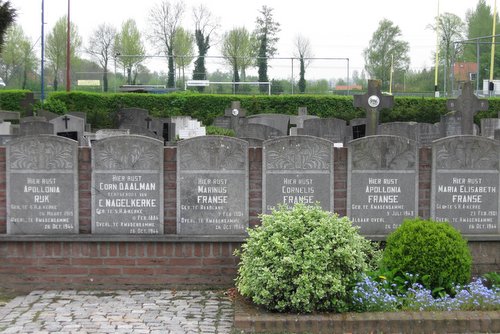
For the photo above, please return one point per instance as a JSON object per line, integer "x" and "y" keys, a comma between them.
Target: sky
{"x": 336, "y": 29}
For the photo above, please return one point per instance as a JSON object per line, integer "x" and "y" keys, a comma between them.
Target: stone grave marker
{"x": 127, "y": 185}
{"x": 467, "y": 105}
{"x": 298, "y": 121}
{"x": 70, "y": 126}
{"x": 127, "y": 117}
{"x": 212, "y": 186}
{"x": 42, "y": 185}
{"x": 257, "y": 131}
{"x": 297, "y": 169}
{"x": 106, "y": 133}
{"x": 356, "y": 129}
{"x": 427, "y": 133}
{"x": 277, "y": 121}
{"x": 333, "y": 129}
{"x": 382, "y": 183}
{"x": 488, "y": 127}
{"x": 32, "y": 126}
{"x": 402, "y": 129}
{"x": 373, "y": 101}
{"x": 465, "y": 183}
{"x": 28, "y": 103}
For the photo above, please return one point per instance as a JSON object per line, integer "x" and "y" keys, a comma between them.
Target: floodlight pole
{"x": 68, "y": 54}
{"x": 42, "y": 96}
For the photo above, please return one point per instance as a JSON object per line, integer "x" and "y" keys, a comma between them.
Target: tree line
{"x": 386, "y": 54}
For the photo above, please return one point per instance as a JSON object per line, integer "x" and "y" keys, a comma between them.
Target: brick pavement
{"x": 163, "y": 311}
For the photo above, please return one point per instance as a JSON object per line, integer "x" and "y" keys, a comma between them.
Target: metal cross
{"x": 373, "y": 101}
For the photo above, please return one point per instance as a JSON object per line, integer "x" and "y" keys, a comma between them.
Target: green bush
{"x": 429, "y": 249}
{"x": 303, "y": 260}
{"x": 218, "y": 131}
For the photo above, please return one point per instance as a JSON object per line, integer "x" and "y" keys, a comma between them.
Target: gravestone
{"x": 488, "y": 127}
{"x": 106, "y": 133}
{"x": 382, "y": 183}
{"x": 298, "y": 121}
{"x": 70, "y": 126}
{"x": 356, "y": 129}
{"x": 48, "y": 115}
{"x": 127, "y": 185}
{"x": 257, "y": 131}
{"x": 32, "y": 126}
{"x": 427, "y": 133}
{"x": 401, "y": 129}
{"x": 465, "y": 183}
{"x": 276, "y": 121}
{"x": 333, "y": 129}
{"x": 212, "y": 188}
{"x": 373, "y": 101}
{"x": 297, "y": 169}
{"x": 235, "y": 113}
{"x": 127, "y": 117}
{"x": 42, "y": 185}
{"x": 467, "y": 105}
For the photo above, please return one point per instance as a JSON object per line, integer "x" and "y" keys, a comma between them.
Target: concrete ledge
{"x": 251, "y": 319}
{"x": 121, "y": 238}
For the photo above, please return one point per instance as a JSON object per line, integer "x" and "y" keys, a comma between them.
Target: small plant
{"x": 492, "y": 279}
{"x": 303, "y": 260}
{"x": 434, "y": 251}
{"x": 218, "y": 131}
{"x": 370, "y": 295}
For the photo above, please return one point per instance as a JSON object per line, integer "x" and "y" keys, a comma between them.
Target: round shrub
{"x": 303, "y": 260}
{"x": 435, "y": 251}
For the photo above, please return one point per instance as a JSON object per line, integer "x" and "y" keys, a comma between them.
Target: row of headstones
{"x": 266, "y": 126}
{"x": 74, "y": 126}
{"x": 213, "y": 183}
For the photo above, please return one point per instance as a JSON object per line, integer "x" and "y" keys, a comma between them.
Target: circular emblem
{"x": 373, "y": 101}
{"x": 235, "y": 112}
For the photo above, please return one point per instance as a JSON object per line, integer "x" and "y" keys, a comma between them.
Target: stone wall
{"x": 89, "y": 261}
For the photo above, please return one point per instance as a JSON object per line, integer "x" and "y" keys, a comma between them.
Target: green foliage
{"x": 303, "y": 260}
{"x": 434, "y": 251}
{"x": 55, "y": 106}
{"x": 217, "y": 131}
{"x": 206, "y": 107}
{"x": 11, "y": 99}
{"x": 493, "y": 279}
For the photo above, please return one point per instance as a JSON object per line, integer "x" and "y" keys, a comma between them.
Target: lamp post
{"x": 68, "y": 53}
{"x": 42, "y": 96}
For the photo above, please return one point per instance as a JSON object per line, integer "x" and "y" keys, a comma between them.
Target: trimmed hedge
{"x": 100, "y": 108}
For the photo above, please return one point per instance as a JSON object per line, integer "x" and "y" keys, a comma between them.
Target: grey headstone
{"x": 333, "y": 129}
{"x": 140, "y": 131}
{"x": 356, "y": 129}
{"x": 35, "y": 127}
{"x": 258, "y": 131}
{"x": 488, "y": 127}
{"x": 127, "y": 185}
{"x": 222, "y": 122}
{"x": 451, "y": 124}
{"x": 401, "y": 129}
{"x": 297, "y": 169}
{"x": 235, "y": 114}
{"x": 382, "y": 183}
{"x": 212, "y": 188}
{"x": 48, "y": 115}
{"x": 427, "y": 133}
{"x": 465, "y": 183}
{"x": 373, "y": 101}
{"x": 42, "y": 185}
{"x": 467, "y": 105}
{"x": 106, "y": 133}
{"x": 132, "y": 117}
{"x": 70, "y": 126}
{"x": 277, "y": 121}
{"x": 9, "y": 115}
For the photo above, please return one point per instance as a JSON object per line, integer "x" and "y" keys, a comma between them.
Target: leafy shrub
{"x": 217, "y": 131}
{"x": 55, "y": 106}
{"x": 432, "y": 250}
{"x": 303, "y": 260}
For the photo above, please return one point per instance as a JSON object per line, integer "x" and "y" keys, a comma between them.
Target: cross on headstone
{"x": 373, "y": 101}
{"x": 467, "y": 105}
{"x": 235, "y": 112}
{"x": 148, "y": 121}
{"x": 66, "y": 119}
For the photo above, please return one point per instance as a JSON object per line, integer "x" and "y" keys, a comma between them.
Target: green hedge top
{"x": 100, "y": 107}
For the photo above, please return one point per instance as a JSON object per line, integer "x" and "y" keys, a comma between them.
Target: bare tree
{"x": 101, "y": 46}
{"x": 304, "y": 53}
{"x": 165, "y": 18}
{"x": 205, "y": 26}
